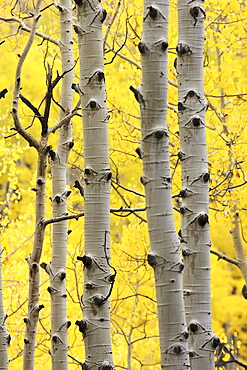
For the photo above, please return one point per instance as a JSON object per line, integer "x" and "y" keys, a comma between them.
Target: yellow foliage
{"x": 134, "y": 317}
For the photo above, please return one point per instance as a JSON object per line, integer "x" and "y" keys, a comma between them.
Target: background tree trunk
{"x": 33, "y": 262}
{"x": 59, "y": 161}
{"x": 97, "y": 176}
{"x": 239, "y": 248}
{"x": 4, "y": 336}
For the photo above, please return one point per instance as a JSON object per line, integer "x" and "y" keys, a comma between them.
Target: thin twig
{"x": 65, "y": 120}
{"x": 127, "y": 189}
{"x": 26, "y": 135}
{"x": 24, "y": 27}
{"x": 76, "y": 216}
{"x": 111, "y": 23}
{"x": 225, "y": 258}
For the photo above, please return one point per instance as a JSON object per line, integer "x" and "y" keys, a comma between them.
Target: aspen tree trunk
{"x": 57, "y": 268}
{"x": 31, "y": 321}
{"x": 97, "y": 177}
{"x": 4, "y": 335}
{"x": 33, "y": 262}
{"x": 154, "y": 151}
{"x": 195, "y": 179}
{"x": 239, "y": 249}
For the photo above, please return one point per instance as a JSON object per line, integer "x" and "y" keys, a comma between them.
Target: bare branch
{"x": 76, "y": 216}
{"x": 225, "y": 258}
{"x": 138, "y": 66}
{"x": 130, "y": 210}
{"x": 24, "y": 27}
{"x": 134, "y": 295}
{"x": 32, "y": 107}
{"x": 65, "y": 120}
{"x": 238, "y": 246}
{"x": 127, "y": 189}
{"x": 124, "y": 57}
{"x": 31, "y": 140}
{"x": 237, "y": 186}
{"x": 3, "y": 93}
{"x": 171, "y": 107}
{"x": 110, "y": 24}
{"x": 121, "y": 47}
{"x": 63, "y": 218}
{"x": 220, "y": 362}
{"x": 226, "y": 95}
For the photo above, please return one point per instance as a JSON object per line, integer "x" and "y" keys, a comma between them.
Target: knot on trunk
{"x": 244, "y": 291}
{"x": 82, "y": 325}
{"x": 86, "y": 260}
{"x": 142, "y": 47}
{"x": 152, "y": 260}
{"x": 176, "y": 349}
{"x": 183, "y": 49}
{"x": 106, "y": 366}
{"x": 93, "y": 105}
{"x": 98, "y": 300}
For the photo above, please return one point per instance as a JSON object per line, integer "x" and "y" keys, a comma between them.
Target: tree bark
{"x": 33, "y": 262}
{"x": 59, "y": 160}
{"x": 4, "y": 335}
{"x": 154, "y": 151}
{"x": 241, "y": 260}
{"x": 195, "y": 179}
{"x": 98, "y": 281}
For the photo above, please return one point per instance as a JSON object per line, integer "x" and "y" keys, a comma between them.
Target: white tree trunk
{"x": 4, "y": 336}
{"x": 97, "y": 176}
{"x": 154, "y": 151}
{"x": 59, "y": 160}
{"x": 195, "y": 179}
{"x": 239, "y": 249}
{"x": 33, "y": 262}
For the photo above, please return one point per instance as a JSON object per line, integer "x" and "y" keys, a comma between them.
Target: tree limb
{"x": 76, "y": 216}
{"x": 225, "y": 258}
{"x": 24, "y": 27}
{"x": 31, "y": 140}
{"x": 65, "y": 120}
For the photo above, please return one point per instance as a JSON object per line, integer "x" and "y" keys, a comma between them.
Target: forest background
{"x": 133, "y": 308}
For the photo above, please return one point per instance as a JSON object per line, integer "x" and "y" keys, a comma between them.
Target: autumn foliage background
{"x": 133, "y": 308}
